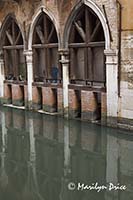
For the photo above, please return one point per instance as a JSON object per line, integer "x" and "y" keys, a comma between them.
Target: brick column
{"x": 7, "y": 94}
{"x": 49, "y": 99}
{"x": 36, "y": 98}
{"x": 74, "y": 104}
{"x": 17, "y": 95}
{"x": 89, "y": 106}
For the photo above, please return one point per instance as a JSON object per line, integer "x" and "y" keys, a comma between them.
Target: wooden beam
{"x": 6, "y": 62}
{"x": 13, "y": 47}
{"x": 77, "y": 45}
{"x": 88, "y": 25}
{"x": 72, "y": 34}
{"x": 72, "y": 63}
{"x": 80, "y": 30}
{"x": 45, "y": 28}
{"x": 87, "y": 88}
{"x": 40, "y": 34}
{"x": 13, "y": 31}
{"x": 15, "y": 63}
{"x": 86, "y": 63}
{"x": 90, "y": 64}
{"x": 51, "y": 33}
{"x": 39, "y": 46}
{"x": 9, "y": 36}
{"x": 95, "y": 31}
{"x": 18, "y": 37}
{"x": 90, "y": 44}
{"x": 96, "y": 44}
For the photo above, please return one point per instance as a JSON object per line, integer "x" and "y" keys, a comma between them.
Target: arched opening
{"x": 87, "y": 70}
{"x": 46, "y": 67}
{"x": 87, "y": 44}
{"x": 47, "y": 74}
{"x": 14, "y": 60}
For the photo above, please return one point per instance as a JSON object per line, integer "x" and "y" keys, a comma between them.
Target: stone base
{"x": 7, "y": 94}
{"x": 74, "y": 104}
{"x": 103, "y": 120}
{"x": 90, "y": 107}
{"x": 74, "y": 113}
{"x": 125, "y": 121}
{"x": 91, "y": 116}
{"x": 36, "y": 106}
{"x": 18, "y": 102}
{"x": 7, "y": 101}
{"x": 112, "y": 121}
{"x": 49, "y": 99}
{"x": 17, "y": 95}
{"x": 36, "y": 98}
{"x": 49, "y": 108}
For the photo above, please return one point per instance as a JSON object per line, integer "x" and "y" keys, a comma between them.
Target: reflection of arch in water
{"x": 31, "y": 189}
{"x": 49, "y": 167}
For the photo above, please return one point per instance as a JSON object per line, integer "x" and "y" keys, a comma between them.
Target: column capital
{"x": 111, "y": 56}
{"x": 28, "y": 54}
{"x": 111, "y": 52}
{"x": 63, "y": 52}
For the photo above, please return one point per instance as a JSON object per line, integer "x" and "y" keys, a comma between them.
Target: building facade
{"x": 73, "y": 57}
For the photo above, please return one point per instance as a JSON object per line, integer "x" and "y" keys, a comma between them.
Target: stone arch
{"x": 34, "y": 21}
{"x": 5, "y": 22}
{"x": 97, "y": 11}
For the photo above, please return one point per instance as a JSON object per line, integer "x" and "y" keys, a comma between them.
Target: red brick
{"x": 35, "y": 95}
{"x": 73, "y": 100}
{"x": 49, "y": 97}
{"x": 7, "y": 91}
{"x": 17, "y": 93}
{"x": 88, "y": 101}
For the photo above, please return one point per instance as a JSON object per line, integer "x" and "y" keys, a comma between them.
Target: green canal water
{"x": 45, "y": 157}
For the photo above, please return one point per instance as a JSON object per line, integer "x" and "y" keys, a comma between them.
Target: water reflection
{"x": 40, "y": 155}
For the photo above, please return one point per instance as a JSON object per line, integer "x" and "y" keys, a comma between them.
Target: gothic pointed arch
{"x": 45, "y": 50}
{"x": 87, "y": 36}
{"x": 13, "y": 45}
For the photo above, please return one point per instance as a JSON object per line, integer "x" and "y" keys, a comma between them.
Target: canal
{"x": 46, "y": 157}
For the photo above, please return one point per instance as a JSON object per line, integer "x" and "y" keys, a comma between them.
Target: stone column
{"x": 29, "y": 62}
{"x": 65, "y": 70}
{"x": 1, "y": 77}
{"x": 112, "y": 86}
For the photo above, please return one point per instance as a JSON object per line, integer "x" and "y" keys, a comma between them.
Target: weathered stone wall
{"x": 126, "y": 71}
{"x": 26, "y": 10}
